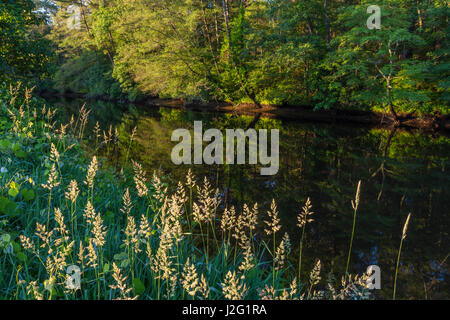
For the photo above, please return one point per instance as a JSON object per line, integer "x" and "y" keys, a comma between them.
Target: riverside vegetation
{"x": 311, "y": 53}
{"x": 60, "y": 206}
{"x": 131, "y": 236}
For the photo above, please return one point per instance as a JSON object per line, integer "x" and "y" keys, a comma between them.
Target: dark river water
{"x": 401, "y": 172}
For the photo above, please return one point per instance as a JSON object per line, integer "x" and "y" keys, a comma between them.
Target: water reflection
{"x": 401, "y": 172}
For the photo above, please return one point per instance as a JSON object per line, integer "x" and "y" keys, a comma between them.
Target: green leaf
{"x": 4, "y": 144}
{"x": 120, "y": 256}
{"x": 125, "y": 263}
{"x": 13, "y": 192}
{"x": 11, "y": 209}
{"x": 20, "y": 154}
{"x": 27, "y": 195}
{"x": 138, "y": 286}
{"x": 3, "y": 203}
{"x": 8, "y": 207}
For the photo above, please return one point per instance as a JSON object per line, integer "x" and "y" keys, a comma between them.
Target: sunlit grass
{"x": 132, "y": 236}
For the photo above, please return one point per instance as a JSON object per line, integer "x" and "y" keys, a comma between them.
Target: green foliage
{"x": 316, "y": 53}
{"x": 24, "y": 54}
{"x": 89, "y": 73}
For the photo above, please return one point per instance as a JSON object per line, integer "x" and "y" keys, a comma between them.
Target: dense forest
{"x": 92, "y": 207}
{"x": 313, "y": 53}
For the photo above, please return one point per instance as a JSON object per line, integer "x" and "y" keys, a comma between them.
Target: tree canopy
{"x": 318, "y": 52}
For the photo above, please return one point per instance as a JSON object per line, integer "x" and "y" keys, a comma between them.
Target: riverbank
{"x": 402, "y": 171}
{"x": 127, "y": 236}
{"x": 428, "y": 122}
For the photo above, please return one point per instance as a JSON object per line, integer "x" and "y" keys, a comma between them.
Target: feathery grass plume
{"x": 355, "y": 288}
{"x": 105, "y": 139}
{"x": 45, "y": 236}
{"x": 191, "y": 184}
{"x": 240, "y": 233}
{"x": 54, "y": 154}
{"x": 91, "y": 255}
{"x": 281, "y": 252}
{"x": 160, "y": 189}
{"x": 96, "y": 131}
{"x": 33, "y": 289}
{"x": 29, "y": 94}
{"x": 162, "y": 263}
{"x": 181, "y": 193}
{"x": 89, "y": 213}
{"x": 131, "y": 233}
{"x": 208, "y": 201}
{"x": 116, "y": 136}
{"x": 190, "y": 179}
{"x": 274, "y": 223}
{"x": 92, "y": 171}
{"x": 293, "y": 288}
{"x": 250, "y": 217}
{"x": 203, "y": 287}
{"x": 182, "y": 199}
{"x": 303, "y": 219}
{"x": 287, "y": 243}
{"x": 267, "y": 293}
{"x": 61, "y": 132}
{"x": 139, "y": 179}
{"x": 121, "y": 284}
{"x": 57, "y": 262}
{"x": 133, "y": 133}
{"x": 73, "y": 191}
{"x": 84, "y": 115}
{"x": 61, "y": 227}
{"x": 189, "y": 279}
{"x": 405, "y": 228}
{"x": 81, "y": 254}
{"x": 171, "y": 212}
{"x": 172, "y": 286}
{"x": 248, "y": 261}
{"x": 127, "y": 205}
{"x": 228, "y": 219}
{"x": 197, "y": 214}
{"x": 95, "y": 220}
{"x": 145, "y": 230}
{"x": 71, "y": 123}
{"x": 234, "y": 288}
{"x": 98, "y": 231}
{"x": 52, "y": 179}
{"x": 50, "y": 185}
{"x": 314, "y": 276}
{"x": 28, "y": 244}
{"x": 355, "y": 205}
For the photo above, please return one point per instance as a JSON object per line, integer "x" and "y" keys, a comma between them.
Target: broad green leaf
{"x": 138, "y": 286}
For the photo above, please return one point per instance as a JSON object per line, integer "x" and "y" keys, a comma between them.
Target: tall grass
{"x": 132, "y": 237}
{"x": 405, "y": 228}
{"x": 355, "y": 205}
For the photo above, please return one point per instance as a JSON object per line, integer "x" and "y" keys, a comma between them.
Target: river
{"x": 401, "y": 172}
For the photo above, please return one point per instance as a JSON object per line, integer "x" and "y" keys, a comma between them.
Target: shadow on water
{"x": 401, "y": 172}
